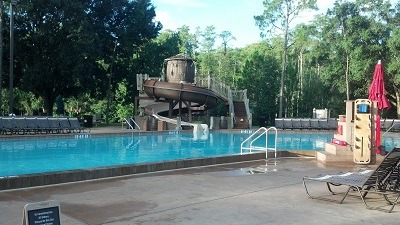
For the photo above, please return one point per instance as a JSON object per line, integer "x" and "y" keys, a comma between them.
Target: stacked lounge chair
{"x": 36, "y": 125}
{"x": 75, "y": 125}
{"x": 287, "y": 123}
{"x": 305, "y": 123}
{"x": 65, "y": 125}
{"x": 296, "y": 123}
{"x": 32, "y": 125}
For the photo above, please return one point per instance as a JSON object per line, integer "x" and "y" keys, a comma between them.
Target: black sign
{"x": 46, "y": 216}
{"x": 47, "y": 213}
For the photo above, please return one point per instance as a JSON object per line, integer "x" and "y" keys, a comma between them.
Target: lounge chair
{"x": 2, "y": 130}
{"x": 75, "y": 125}
{"x": 43, "y": 125}
{"x": 20, "y": 125}
{"x": 305, "y": 123}
{"x": 65, "y": 125}
{"x": 384, "y": 180}
{"x": 31, "y": 125}
{"x": 296, "y": 123}
{"x": 332, "y": 124}
{"x": 8, "y": 125}
{"x": 287, "y": 123}
{"x": 279, "y": 123}
{"x": 323, "y": 124}
{"x": 54, "y": 125}
{"x": 314, "y": 124}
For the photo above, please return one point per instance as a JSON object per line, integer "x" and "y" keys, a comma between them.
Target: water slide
{"x": 180, "y": 92}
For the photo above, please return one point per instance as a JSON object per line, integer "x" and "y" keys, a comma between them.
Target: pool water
{"x": 31, "y": 156}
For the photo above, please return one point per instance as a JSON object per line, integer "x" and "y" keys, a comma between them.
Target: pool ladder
{"x": 261, "y": 132}
{"x": 82, "y": 136}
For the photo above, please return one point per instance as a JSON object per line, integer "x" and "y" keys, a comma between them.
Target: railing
{"x": 225, "y": 92}
{"x": 130, "y": 125}
{"x": 220, "y": 88}
{"x": 260, "y": 132}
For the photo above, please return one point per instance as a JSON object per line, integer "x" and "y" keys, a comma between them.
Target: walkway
{"x": 246, "y": 193}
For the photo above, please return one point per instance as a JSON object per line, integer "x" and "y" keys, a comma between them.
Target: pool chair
{"x": 43, "y": 125}
{"x": 384, "y": 180}
{"x": 323, "y": 124}
{"x": 32, "y": 126}
{"x": 75, "y": 125}
{"x": 65, "y": 125}
{"x": 314, "y": 124}
{"x": 8, "y": 126}
{"x": 287, "y": 123}
{"x": 296, "y": 123}
{"x": 332, "y": 124}
{"x": 54, "y": 125}
{"x": 279, "y": 123}
{"x": 20, "y": 126}
{"x": 305, "y": 123}
{"x": 2, "y": 130}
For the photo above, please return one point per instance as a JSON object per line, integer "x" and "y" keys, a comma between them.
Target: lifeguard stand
{"x": 364, "y": 131}
{"x": 355, "y": 137}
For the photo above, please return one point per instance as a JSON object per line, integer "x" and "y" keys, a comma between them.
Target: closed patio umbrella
{"x": 377, "y": 93}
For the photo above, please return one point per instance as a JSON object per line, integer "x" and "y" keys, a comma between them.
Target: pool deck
{"x": 257, "y": 192}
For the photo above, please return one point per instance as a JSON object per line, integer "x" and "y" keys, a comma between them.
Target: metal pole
{"x": 11, "y": 88}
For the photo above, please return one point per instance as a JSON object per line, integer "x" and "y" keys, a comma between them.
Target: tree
{"x": 279, "y": 15}
{"x": 67, "y": 47}
{"x": 208, "y": 61}
{"x": 259, "y": 77}
{"x": 226, "y": 36}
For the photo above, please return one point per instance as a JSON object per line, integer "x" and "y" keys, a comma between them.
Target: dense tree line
{"x": 81, "y": 50}
{"x": 86, "y": 51}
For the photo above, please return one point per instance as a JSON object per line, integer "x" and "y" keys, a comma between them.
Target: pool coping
{"x": 68, "y": 176}
{"x": 50, "y": 178}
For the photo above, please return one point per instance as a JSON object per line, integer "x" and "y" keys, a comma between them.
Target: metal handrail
{"x": 129, "y": 124}
{"x": 394, "y": 124}
{"x": 264, "y": 131}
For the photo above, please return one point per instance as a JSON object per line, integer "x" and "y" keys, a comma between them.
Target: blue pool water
{"x": 31, "y": 156}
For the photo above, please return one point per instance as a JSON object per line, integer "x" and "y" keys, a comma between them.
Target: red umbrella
{"x": 377, "y": 93}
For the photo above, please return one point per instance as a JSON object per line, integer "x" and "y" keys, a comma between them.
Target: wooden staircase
{"x": 241, "y": 119}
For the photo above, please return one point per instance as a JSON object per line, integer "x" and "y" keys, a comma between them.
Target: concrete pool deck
{"x": 258, "y": 192}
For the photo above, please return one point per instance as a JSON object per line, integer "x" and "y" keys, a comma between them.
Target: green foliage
{"x": 124, "y": 107}
{"x": 60, "y": 45}
{"x": 220, "y": 109}
{"x": 260, "y": 78}
{"x": 72, "y": 49}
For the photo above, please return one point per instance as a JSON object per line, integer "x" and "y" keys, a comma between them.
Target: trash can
{"x": 262, "y": 121}
{"x": 88, "y": 121}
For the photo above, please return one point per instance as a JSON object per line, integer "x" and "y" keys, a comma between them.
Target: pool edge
{"x": 43, "y": 179}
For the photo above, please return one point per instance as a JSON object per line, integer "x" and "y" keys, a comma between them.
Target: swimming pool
{"x": 21, "y": 157}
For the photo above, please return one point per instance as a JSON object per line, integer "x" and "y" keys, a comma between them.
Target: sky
{"x": 235, "y": 16}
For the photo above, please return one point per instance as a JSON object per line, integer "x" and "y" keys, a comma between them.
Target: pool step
{"x": 335, "y": 153}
